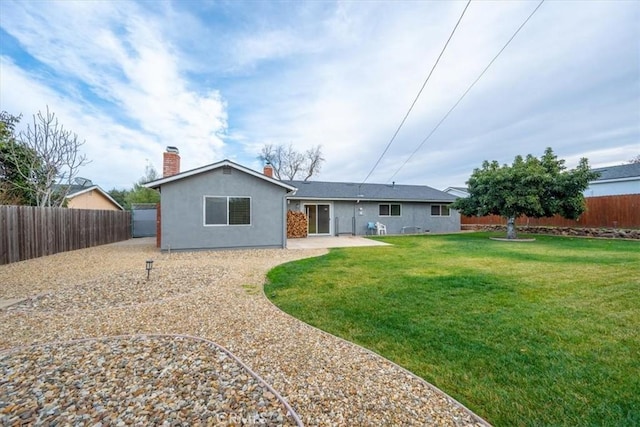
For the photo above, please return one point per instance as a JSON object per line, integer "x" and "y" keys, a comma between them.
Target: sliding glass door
{"x": 319, "y": 218}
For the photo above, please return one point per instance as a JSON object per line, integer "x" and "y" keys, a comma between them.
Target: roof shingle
{"x": 618, "y": 172}
{"x": 354, "y": 191}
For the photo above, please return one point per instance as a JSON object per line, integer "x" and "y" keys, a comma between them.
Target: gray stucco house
{"x": 225, "y": 205}
{"x": 335, "y": 208}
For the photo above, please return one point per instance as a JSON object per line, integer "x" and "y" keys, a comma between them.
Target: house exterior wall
{"x": 91, "y": 200}
{"x": 613, "y": 188}
{"x": 182, "y": 212}
{"x": 413, "y": 214}
{"x": 344, "y": 211}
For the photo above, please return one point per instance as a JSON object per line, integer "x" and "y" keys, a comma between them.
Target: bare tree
{"x": 292, "y": 163}
{"x": 636, "y": 159}
{"x": 57, "y": 153}
{"x": 274, "y": 156}
{"x": 314, "y": 160}
{"x": 288, "y": 163}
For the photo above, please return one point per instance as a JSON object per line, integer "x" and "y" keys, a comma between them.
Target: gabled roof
{"x": 620, "y": 172}
{"x": 379, "y": 192}
{"x": 222, "y": 164}
{"x": 77, "y": 190}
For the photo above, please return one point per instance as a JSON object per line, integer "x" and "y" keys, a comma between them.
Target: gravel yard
{"x": 216, "y": 296}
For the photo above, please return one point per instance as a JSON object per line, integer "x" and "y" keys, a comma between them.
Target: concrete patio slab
{"x": 325, "y": 242}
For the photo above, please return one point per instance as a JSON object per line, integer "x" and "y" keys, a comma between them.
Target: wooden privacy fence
{"x": 30, "y": 232}
{"x": 606, "y": 211}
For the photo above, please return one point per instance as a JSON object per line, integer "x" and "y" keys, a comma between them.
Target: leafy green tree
{"x": 141, "y": 194}
{"x": 120, "y": 196}
{"x": 20, "y": 167}
{"x": 530, "y": 186}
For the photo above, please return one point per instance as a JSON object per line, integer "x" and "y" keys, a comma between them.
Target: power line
{"x": 417, "y": 96}
{"x": 467, "y": 91}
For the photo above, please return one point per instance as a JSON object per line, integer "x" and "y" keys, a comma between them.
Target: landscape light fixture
{"x": 149, "y": 266}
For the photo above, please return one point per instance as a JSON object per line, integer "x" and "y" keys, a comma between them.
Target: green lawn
{"x": 542, "y": 333}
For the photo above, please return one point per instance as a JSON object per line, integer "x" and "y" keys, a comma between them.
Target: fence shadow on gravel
{"x": 30, "y": 232}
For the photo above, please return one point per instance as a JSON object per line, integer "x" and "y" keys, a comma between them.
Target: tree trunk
{"x": 511, "y": 228}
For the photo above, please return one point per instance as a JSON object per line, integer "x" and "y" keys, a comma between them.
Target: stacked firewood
{"x": 296, "y": 224}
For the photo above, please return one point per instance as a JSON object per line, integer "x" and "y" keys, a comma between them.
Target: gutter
{"x": 610, "y": 180}
{"x": 364, "y": 199}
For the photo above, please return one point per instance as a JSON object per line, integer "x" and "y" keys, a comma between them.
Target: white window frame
{"x": 390, "y": 210}
{"x": 204, "y": 211}
{"x": 440, "y": 206}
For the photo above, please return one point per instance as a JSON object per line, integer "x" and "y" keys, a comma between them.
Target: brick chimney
{"x": 268, "y": 170}
{"x": 170, "y": 162}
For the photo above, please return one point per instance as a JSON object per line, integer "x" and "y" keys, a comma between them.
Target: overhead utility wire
{"x": 467, "y": 91}
{"x": 417, "y": 96}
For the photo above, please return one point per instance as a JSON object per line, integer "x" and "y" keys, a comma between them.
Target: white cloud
{"x": 117, "y": 153}
{"x": 127, "y": 72}
{"x": 220, "y": 80}
{"x": 356, "y": 94}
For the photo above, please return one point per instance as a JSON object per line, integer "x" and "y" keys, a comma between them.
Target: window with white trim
{"x": 440, "y": 210}
{"x": 389, "y": 209}
{"x": 227, "y": 210}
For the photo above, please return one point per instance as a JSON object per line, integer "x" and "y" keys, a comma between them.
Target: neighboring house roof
{"x": 222, "y": 164}
{"x": 619, "y": 173}
{"x": 319, "y": 190}
{"x": 457, "y": 191}
{"x": 77, "y": 190}
{"x": 615, "y": 180}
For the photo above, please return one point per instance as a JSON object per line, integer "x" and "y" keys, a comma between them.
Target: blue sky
{"x": 219, "y": 79}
